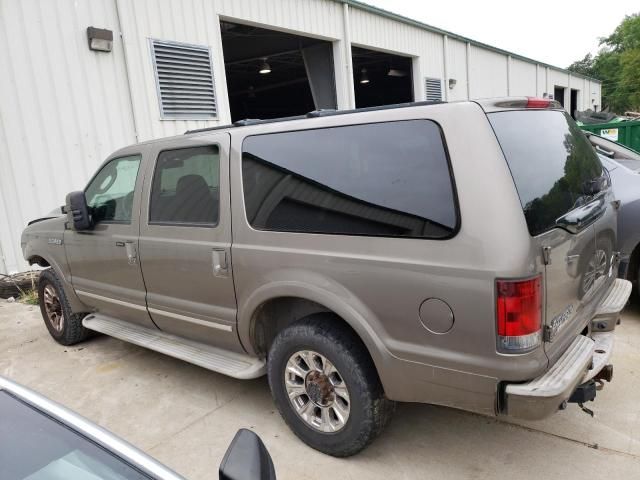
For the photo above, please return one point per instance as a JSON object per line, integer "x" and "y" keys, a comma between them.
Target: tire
{"x": 51, "y": 296}
{"x": 355, "y": 378}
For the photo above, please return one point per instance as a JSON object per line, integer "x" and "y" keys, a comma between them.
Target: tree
{"x": 584, "y": 66}
{"x": 617, "y": 65}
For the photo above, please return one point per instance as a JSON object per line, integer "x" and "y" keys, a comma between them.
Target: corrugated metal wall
{"x": 63, "y": 108}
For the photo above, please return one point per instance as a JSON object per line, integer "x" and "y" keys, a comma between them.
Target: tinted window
{"x": 110, "y": 193}
{"x": 35, "y": 447}
{"x": 388, "y": 179}
{"x": 185, "y": 187}
{"x": 551, "y": 162}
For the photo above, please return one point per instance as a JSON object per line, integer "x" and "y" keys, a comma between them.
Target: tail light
{"x": 533, "y": 102}
{"x": 519, "y": 315}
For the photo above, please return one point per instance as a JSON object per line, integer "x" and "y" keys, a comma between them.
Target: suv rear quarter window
{"x": 382, "y": 179}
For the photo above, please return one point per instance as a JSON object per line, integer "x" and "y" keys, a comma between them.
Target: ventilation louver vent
{"x": 184, "y": 80}
{"x": 433, "y": 88}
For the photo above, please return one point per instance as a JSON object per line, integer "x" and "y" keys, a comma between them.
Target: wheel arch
{"x": 272, "y": 307}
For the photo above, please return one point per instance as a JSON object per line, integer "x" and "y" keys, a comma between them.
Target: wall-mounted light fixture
{"x": 100, "y": 39}
{"x": 452, "y": 83}
{"x": 265, "y": 67}
{"x": 364, "y": 77}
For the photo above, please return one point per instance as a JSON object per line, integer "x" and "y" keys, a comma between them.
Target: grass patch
{"x": 30, "y": 297}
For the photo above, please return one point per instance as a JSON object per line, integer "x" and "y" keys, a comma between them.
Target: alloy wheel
{"x": 317, "y": 391}
{"x": 53, "y": 308}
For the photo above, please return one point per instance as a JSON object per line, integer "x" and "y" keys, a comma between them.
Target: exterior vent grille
{"x": 184, "y": 80}
{"x": 433, "y": 88}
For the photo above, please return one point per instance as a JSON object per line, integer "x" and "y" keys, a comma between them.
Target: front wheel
{"x": 326, "y": 386}
{"x": 63, "y": 325}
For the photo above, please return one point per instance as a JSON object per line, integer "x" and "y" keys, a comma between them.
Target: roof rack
{"x": 313, "y": 114}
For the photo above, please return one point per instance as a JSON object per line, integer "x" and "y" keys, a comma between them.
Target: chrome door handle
{"x": 572, "y": 258}
{"x": 219, "y": 261}
{"x": 132, "y": 253}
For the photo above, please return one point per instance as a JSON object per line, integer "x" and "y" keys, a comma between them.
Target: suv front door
{"x": 104, "y": 264}
{"x": 185, "y": 240}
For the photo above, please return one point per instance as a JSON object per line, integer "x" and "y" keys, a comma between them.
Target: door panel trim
{"x": 111, "y": 300}
{"x": 204, "y": 323}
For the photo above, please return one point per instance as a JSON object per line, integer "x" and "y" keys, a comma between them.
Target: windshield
{"x": 551, "y": 161}
{"x": 35, "y": 447}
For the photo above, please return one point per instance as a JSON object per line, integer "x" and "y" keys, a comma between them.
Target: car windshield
{"x": 35, "y": 447}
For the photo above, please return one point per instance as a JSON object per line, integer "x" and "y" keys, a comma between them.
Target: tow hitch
{"x": 587, "y": 391}
{"x": 584, "y": 393}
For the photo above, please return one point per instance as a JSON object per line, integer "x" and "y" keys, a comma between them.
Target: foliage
{"x": 29, "y": 297}
{"x": 617, "y": 65}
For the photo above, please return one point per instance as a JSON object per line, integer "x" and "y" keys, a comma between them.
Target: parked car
{"x": 458, "y": 254}
{"x": 42, "y": 440}
{"x": 623, "y": 165}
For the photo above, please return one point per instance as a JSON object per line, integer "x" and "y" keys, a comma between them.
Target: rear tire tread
{"x": 331, "y": 338}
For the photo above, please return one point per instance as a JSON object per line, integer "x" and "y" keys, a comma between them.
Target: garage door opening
{"x": 381, "y": 78}
{"x": 274, "y": 74}
{"x": 558, "y": 94}
{"x": 573, "y": 105}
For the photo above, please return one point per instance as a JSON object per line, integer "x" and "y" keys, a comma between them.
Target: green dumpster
{"x": 626, "y": 133}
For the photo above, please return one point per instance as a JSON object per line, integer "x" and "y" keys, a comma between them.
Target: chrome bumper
{"x": 582, "y": 361}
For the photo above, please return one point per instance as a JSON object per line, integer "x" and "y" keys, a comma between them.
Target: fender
{"x": 324, "y": 291}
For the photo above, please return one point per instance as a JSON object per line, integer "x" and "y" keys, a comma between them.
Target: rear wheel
{"x": 326, "y": 386}
{"x": 63, "y": 325}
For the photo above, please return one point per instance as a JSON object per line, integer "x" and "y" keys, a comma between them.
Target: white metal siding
{"x": 488, "y": 73}
{"x": 457, "y": 69}
{"x": 63, "y": 108}
{"x": 522, "y": 78}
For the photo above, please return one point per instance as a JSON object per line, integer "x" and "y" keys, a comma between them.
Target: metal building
{"x": 70, "y": 94}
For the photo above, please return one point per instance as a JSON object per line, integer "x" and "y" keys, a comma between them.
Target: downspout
{"x": 468, "y": 72}
{"x": 508, "y": 75}
{"x": 126, "y": 73}
{"x": 3, "y": 263}
{"x": 445, "y": 56}
{"x": 351, "y": 93}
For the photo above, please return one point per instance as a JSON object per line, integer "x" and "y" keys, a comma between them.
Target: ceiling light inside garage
{"x": 265, "y": 67}
{"x": 364, "y": 77}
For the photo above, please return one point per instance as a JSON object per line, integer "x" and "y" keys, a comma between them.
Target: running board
{"x": 233, "y": 364}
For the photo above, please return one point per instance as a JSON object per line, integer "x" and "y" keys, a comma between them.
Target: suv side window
{"x": 110, "y": 192}
{"x": 185, "y": 188}
{"x": 380, "y": 179}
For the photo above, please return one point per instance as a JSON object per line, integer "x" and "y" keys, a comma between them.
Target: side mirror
{"x": 78, "y": 212}
{"x": 247, "y": 459}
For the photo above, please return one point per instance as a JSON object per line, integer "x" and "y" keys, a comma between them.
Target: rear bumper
{"x": 581, "y": 362}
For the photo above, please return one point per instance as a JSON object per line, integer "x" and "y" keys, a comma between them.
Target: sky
{"x": 556, "y": 32}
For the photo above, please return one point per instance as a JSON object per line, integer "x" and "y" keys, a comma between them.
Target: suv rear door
{"x": 566, "y": 201}
{"x": 185, "y": 240}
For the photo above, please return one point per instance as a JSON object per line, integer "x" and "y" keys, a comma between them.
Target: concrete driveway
{"x": 186, "y": 416}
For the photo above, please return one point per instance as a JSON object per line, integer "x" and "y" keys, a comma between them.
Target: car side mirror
{"x": 247, "y": 459}
{"x": 78, "y": 212}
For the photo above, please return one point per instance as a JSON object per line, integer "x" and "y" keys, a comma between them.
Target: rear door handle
{"x": 220, "y": 262}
